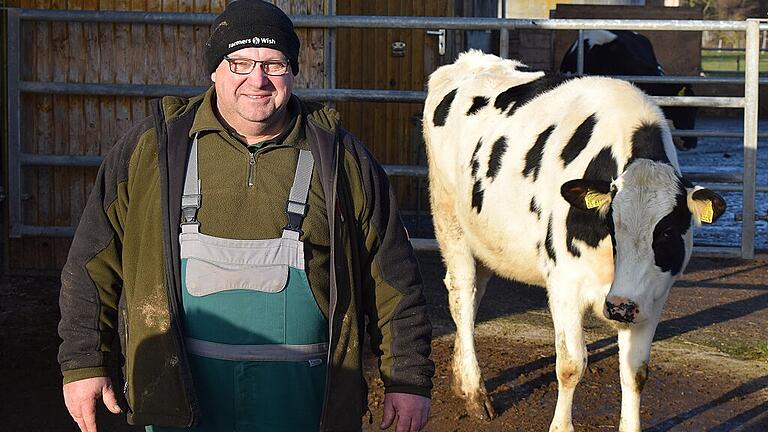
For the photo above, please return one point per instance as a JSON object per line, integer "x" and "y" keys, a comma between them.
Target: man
{"x": 237, "y": 242}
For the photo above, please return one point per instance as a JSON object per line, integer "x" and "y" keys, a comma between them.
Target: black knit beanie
{"x": 251, "y": 23}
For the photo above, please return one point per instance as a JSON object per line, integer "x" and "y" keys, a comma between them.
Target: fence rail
{"x": 746, "y": 179}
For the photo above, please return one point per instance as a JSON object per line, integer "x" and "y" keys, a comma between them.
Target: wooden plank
{"x": 122, "y": 71}
{"x": 93, "y": 132}
{"x": 379, "y": 51}
{"x": 217, "y": 6}
{"x": 107, "y": 53}
{"x": 342, "y": 64}
{"x": 137, "y": 60}
{"x": 54, "y": 191}
{"x": 185, "y": 46}
{"x": 316, "y": 37}
{"x": 297, "y": 7}
{"x": 389, "y": 82}
{"x": 168, "y": 46}
{"x": 154, "y": 57}
{"x": 201, "y": 33}
{"x": 69, "y": 181}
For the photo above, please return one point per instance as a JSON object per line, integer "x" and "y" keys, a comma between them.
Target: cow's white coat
{"x": 507, "y": 239}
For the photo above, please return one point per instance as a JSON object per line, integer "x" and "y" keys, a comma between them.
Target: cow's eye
{"x": 668, "y": 233}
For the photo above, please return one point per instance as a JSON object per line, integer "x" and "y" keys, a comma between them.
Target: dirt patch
{"x": 709, "y": 365}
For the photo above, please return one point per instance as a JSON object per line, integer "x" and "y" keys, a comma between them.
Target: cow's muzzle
{"x": 620, "y": 309}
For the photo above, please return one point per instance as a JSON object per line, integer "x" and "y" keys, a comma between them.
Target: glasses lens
{"x": 241, "y": 66}
{"x": 275, "y": 67}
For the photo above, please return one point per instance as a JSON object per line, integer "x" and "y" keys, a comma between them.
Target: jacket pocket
{"x": 204, "y": 278}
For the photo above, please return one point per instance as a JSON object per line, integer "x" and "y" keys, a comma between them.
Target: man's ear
{"x": 590, "y": 195}
{"x": 705, "y": 206}
{"x": 213, "y": 76}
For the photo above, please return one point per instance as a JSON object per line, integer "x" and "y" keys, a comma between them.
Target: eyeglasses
{"x": 244, "y": 66}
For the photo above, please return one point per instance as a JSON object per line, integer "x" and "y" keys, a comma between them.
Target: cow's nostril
{"x": 623, "y": 311}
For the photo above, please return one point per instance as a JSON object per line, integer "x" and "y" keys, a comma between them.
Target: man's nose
{"x": 258, "y": 77}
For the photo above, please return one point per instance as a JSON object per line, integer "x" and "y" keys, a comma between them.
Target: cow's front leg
{"x": 634, "y": 352}
{"x": 466, "y": 286}
{"x": 571, "y": 351}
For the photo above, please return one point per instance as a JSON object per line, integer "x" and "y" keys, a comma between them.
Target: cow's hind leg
{"x": 466, "y": 284}
{"x": 571, "y": 351}
{"x": 634, "y": 352}
{"x": 466, "y": 281}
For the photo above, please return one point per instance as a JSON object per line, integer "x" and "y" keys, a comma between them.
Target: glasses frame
{"x": 262, "y": 65}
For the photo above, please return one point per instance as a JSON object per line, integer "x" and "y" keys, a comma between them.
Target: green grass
{"x": 729, "y": 61}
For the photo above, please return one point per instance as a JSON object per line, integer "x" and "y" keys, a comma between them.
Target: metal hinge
{"x": 440, "y": 40}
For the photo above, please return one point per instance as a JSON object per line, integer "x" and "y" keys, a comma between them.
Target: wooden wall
{"x": 89, "y": 125}
{"x": 365, "y": 61}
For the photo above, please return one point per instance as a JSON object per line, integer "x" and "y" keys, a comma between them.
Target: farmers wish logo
{"x": 256, "y": 40}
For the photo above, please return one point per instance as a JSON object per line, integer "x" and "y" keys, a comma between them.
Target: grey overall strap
{"x": 191, "y": 198}
{"x": 297, "y": 200}
{"x": 281, "y": 352}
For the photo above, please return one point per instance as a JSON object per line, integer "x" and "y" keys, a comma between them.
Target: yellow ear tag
{"x": 682, "y": 91}
{"x": 595, "y": 199}
{"x": 707, "y": 213}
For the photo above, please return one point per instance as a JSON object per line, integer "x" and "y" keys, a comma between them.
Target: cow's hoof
{"x": 480, "y": 406}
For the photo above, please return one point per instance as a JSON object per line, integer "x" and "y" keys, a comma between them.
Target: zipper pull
{"x": 251, "y": 166}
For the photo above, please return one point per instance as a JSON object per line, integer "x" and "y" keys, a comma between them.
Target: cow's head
{"x": 649, "y": 211}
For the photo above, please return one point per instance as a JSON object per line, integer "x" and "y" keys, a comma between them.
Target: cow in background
{"x": 563, "y": 182}
{"x": 622, "y": 52}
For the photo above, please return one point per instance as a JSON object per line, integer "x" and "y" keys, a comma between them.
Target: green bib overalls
{"x": 256, "y": 340}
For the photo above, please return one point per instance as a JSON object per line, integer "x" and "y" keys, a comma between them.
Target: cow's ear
{"x": 705, "y": 206}
{"x": 591, "y": 195}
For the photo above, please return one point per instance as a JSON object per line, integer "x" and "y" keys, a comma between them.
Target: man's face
{"x": 255, "y": 99}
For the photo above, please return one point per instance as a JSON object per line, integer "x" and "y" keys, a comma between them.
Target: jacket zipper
{"x": 333, "y": 296}
{"x": 251, "y": 169}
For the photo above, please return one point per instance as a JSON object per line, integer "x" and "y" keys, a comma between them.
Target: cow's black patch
{"x": 534, "y": 208}
{"x": 477, "y": 196}
{"x": 603, "y": 166}
{"x": 497, "y": 152}
{"x": 474, "y": 163}
{"x": 548, "y": 244}
{"x": 668, "y": 244}
{"x": 648, "y": 144}
{"x": 526, "y": 69}
{"x": 443, "y": 108}
{"x": 587, "y": 225}
{"x": 534, "y": 155}
{"x": 478, "y": 102}
{"x": 579, "y": 140}
{"x": 524, "y": 93}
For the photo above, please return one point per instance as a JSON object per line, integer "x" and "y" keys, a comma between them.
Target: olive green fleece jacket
{"x": 122, "y": 273}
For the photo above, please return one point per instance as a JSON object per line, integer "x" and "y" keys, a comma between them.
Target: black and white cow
{"x": 622, "y": 52}
{"x": 567, "y": 183}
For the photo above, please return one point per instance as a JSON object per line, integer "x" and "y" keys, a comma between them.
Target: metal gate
{"x": 744, "y": 181}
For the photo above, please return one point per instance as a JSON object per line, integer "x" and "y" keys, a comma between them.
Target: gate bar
{"x": 336, "y": 95}
{"x": 401, "y": 22}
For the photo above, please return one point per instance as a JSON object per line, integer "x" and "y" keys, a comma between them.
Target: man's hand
{"x": 412, "y": 411}
{"x": 80, "y": 397}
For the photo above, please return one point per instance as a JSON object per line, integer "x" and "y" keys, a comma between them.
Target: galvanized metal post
{"x": 13, "y": 107}
{"x": 580, "y": 53}
{"x": 751, "y": 77}
{"x": 504, "y": 43}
